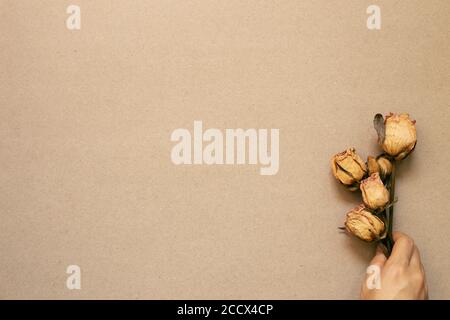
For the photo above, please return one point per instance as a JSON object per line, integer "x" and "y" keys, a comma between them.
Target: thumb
{"x": 373, "y": 272}
{"x": 379, "y": 259}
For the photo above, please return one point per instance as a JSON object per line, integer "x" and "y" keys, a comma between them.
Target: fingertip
{"x": 380, "y": 258}
{"x": 380, "y": 250}
{"x": 398, "y": 235}
{"x": 403, "y": 248}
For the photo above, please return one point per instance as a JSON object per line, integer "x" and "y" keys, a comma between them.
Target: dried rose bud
{"x": 400, "y": 135}
{"x": 385, "y": 167}
{"x": 363, "y": 224}
{"x": 374, "y": 193}
{"x": 372, "y": 165}
{"x": 348, "y": 168}
{"x": 382, "y": 165}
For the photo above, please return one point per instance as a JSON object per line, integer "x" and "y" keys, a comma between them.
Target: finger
{"x": 397, "y": 235}
{"x": 415, "y": 261}
{"x": 373, "y": 271}
{"x": 403, "y": 249}
{"x": 379, "y": 259}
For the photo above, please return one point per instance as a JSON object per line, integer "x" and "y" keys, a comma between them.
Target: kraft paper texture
{"x": 86, "y": 176}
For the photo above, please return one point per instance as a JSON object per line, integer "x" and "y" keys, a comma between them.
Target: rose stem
{"x": 390, "y": 240}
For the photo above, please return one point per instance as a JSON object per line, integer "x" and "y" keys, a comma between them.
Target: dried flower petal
{"x": 400, "y": 135}
{"x": 374, "y": 193}
{"x": 348, "y": 167}
{"x": 364, "y": 224}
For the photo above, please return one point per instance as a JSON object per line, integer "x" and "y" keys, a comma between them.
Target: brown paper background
{"x": 85, "y": 124}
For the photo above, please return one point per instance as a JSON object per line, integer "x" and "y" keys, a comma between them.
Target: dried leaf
{"x": 378, "y": 123}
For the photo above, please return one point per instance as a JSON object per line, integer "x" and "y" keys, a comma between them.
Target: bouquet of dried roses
{"x": 372, "y": 220}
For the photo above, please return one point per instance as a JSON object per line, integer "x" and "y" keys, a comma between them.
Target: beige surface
{"x": 85, "y": 121}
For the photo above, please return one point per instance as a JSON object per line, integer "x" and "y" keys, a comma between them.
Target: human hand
{"x": 402, "y": 276}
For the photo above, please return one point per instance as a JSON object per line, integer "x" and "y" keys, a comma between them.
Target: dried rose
{"x": 382, "y": 165}
{"x": 385, "y": 166}
{"x": 372, "y": 165}
{"x": 348, "y": 168}
{"x": 364, "y": 224}
{"x": 399, "y": 135}
{"x": 374, "y": 193}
